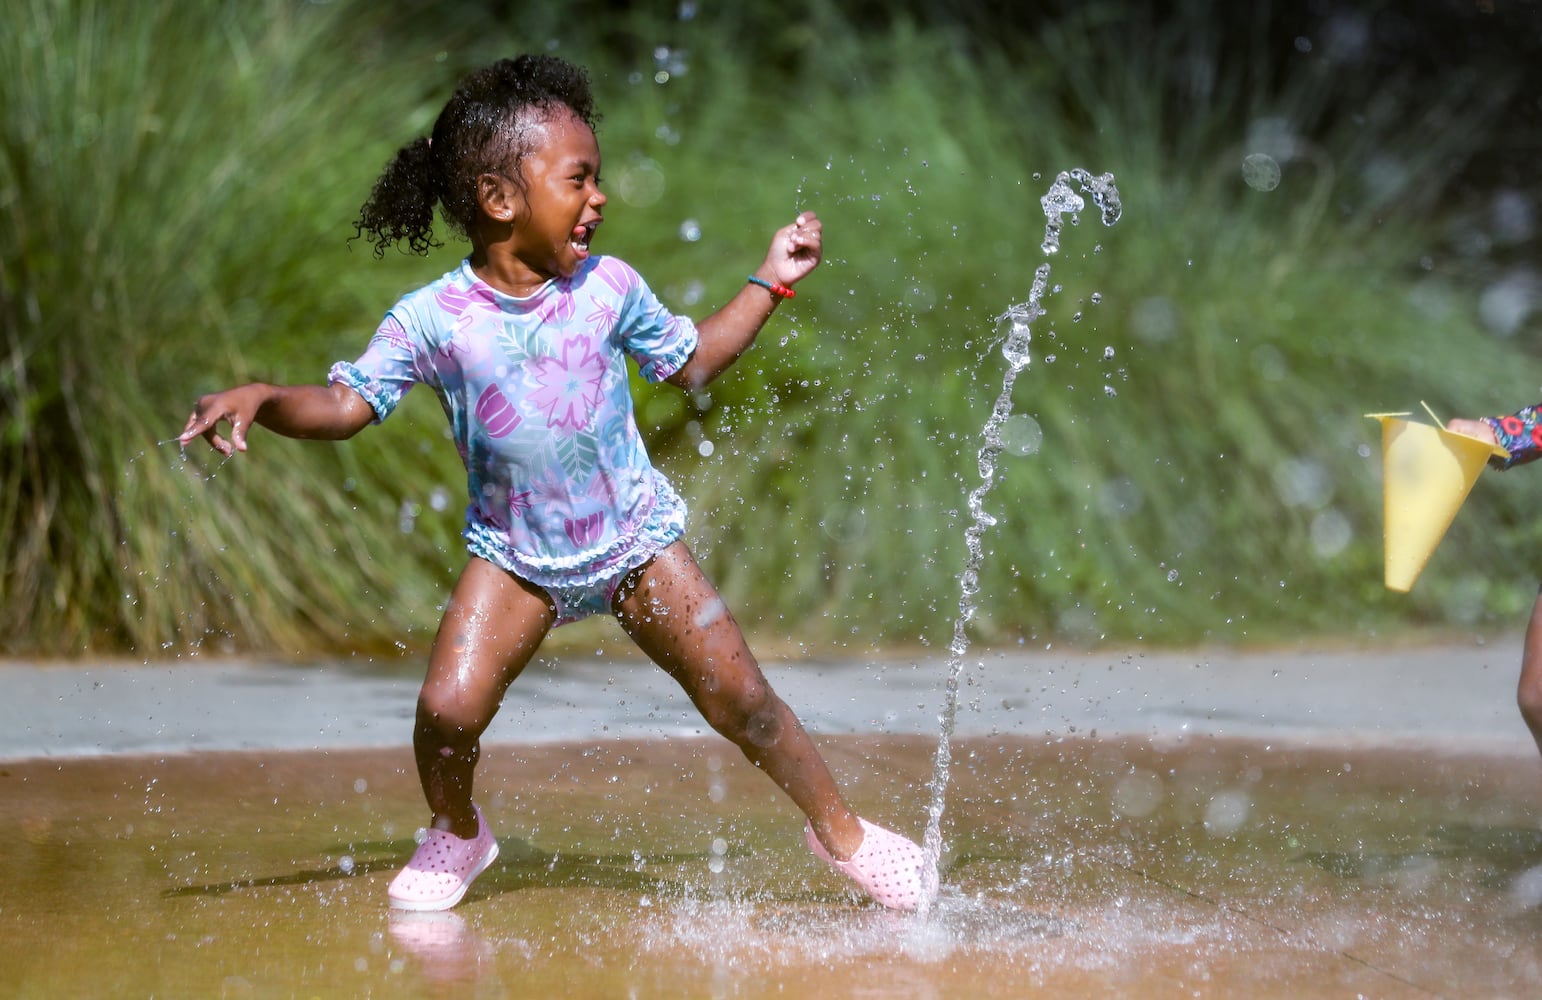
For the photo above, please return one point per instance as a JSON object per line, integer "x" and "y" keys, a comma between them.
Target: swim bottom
{"x": 576, "y": 596}
{"x": 577, "y": 603}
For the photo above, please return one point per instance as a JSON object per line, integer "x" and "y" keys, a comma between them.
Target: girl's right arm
{"x": 330, "y": 412}
{"x": 725, "y": 335}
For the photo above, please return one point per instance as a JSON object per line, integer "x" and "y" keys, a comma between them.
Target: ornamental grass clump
{"x": 178, "y": 183}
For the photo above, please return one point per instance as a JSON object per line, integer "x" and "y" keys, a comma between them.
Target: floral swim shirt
{"x": 562, "y": 492}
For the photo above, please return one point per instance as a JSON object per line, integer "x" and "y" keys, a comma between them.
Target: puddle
{"x": 1072, "y": 868}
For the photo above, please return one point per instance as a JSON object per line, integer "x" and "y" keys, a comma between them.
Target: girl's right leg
{"x": 1529, "y": 691}
{"x": 492, "y": 627}
{"x": 675, "y": 615}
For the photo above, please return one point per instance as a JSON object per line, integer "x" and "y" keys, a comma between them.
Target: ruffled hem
{"x": 349, "y": 375}
{"x": 663, "y": 525}
{"x": 660, "y": 368}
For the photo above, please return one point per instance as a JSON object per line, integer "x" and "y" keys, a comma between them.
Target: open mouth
{"x": 582, "y": 235}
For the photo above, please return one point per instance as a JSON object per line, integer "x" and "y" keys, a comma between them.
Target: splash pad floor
{"x": 1177, "y": 864}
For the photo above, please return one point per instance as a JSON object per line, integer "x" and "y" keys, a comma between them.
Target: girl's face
{"x": 562, "y": 197}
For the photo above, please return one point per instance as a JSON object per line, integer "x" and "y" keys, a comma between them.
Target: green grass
{"x": 176, "y": 191}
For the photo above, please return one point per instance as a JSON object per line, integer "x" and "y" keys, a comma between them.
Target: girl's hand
{"x": 796, "y": 249}
{"x": 329, "y": 412}
{"x": 238, "y": 407}
{"x": 1472, "y": 428}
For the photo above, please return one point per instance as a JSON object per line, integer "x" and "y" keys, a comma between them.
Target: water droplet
{"x": 1021, "y": 435}
{"x": 1260, "y": 171}
{"x": 407, "y": 517}
{"x": 1226, "y": 813}
{"x": 1512, "y": 217}
{"x": 1303, "y": 482}
{"x": 1331, "y": 533}
{"x": 1505, "y": 305}
{"x": 641, "y": 183}
{"x": 1155, "y": 320}
{"x": 1138, "y": 794}
{"x": 1526, "y": 889}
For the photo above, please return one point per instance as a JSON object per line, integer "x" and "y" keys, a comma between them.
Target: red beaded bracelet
{"x": 780, "y": 291}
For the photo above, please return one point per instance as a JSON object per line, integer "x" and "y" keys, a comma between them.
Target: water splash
{"x": 1016, "y": 323}
{"x": 1061, "y": 201}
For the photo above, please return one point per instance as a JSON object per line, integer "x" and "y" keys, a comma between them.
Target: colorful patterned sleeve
{"x": 386, "y": 370}
{"x": 1520, "y": 434}
{"x": 657, "y": 339}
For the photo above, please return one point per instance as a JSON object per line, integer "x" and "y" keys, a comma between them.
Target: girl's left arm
{"x": 795, "y": 250}
{"x": 1519, "y": 433}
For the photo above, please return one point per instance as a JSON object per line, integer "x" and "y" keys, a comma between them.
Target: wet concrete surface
{"x": 1297, "y": 823}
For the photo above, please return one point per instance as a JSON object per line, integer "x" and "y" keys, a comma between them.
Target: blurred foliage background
{"x": 1328, "y": 211}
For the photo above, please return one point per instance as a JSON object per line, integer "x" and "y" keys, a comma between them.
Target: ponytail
{"x": 400, "y": 209}
{"x": 477, "y": 132}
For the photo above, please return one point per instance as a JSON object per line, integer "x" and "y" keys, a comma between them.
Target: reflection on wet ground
{"x": 671, "y": 868}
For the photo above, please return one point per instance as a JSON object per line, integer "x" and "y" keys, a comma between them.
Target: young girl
{"x": 525, "y": 345}
{"x": 1521, "y": 435}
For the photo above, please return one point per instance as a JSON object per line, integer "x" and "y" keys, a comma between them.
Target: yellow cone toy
{"x": 1427, "y": 472}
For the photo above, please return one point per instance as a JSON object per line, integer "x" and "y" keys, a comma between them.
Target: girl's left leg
{"x": 674, "y": 614}
{"x": 491, "y": 628}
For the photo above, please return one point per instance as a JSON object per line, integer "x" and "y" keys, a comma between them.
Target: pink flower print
{"x": 392, "y": 333}
{"x": 549, "y": 491}
{"x": 496, "y": 413}
{"x": 519, "y": 503}
{"x": 628, "y": 525}
{"x": 568, "y": 388}
{"x": 584, "y": 531}
{"x": 604, "y": 318}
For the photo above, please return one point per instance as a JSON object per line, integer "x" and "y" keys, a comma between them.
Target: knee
{"x": 744, "y": 710}
{"x": 449, "y": 717}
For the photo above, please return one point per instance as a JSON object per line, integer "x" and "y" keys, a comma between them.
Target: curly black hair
{"x": 478, "y": 132}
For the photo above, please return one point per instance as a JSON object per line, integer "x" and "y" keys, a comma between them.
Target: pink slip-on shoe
{"x": 887, "y": 866}
{"x": 443, "y": 868}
